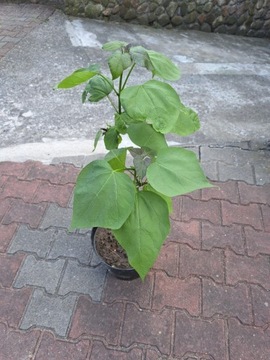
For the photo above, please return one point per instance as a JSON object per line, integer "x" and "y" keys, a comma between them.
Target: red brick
{"x": 100, "y": 352}
{"x": 223, "y": 191}
{"x": 13, "y": 304}
{"x": 15, "y": 168}
{"x": 168, "y": 259}
{"x": 201, "y": 210}
{"x": 196, "y": 338}
{"x": 59, "y": 194}
{"x": 3, "y": 179}
{"x": 258, "y": 242}
{"x": 222, "y": 237}
{"x": 4, "y": 207}
{"x": 177, "y": 206}
{"x": 153, "y": 354}
{"x": 227, "y": 301}
{"x": 16, "y": 344}
{"x": 254, "y": 194}
{"x": 186, "y": 233}
{"x": 44, "y": 172}
{"x": 69, "y": 174}
{"x": 51, "y": 348}
{"x": 241, "y": 214}
{"x": 202, "y": 263}
{"x": 6, "y": 234}
{"x": 266, "y": 217}
{"x": 135, "y": 290}
{"x": 149, "y": 328}
{"x": 247, "y": 342}
{"x": 243, "y": 268}
{"x": 24, "y": 213}
{"x": 16, "y": 188}
{"x": 261, "y": 305}
{"x": 9, "y": 265}
{"x": 97, "y": 319}
{"x": 177, "y": 293}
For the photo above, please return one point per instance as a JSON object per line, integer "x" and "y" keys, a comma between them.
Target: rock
{"x": 143, "y": 8}
{"x": 163, "y": 19}
{"x": 256, "y": 25}
{"x": 218, "y": 21}
{"x": 176, "y": 20}
{"x": 93, "y": 11}
{"x": 143, "y": 19}
{"x": 130, "y": 14}
{"x": 190, "y": 18}
{"x": 208, "y": 7}
{"x": 171, "y": 8}
{"x": 206, "y": 27}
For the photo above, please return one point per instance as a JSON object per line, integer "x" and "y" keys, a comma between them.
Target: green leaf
{"x": 102, "y": 197}
{"x": 98, "y": 136}
{"x": 112, "y": 138}
{"x": 143, "y": 234}
{"x": 99, "y": 87}
{"x": 168, "y": 200}
{"x": 114, "y": 45}
{"x": 117, "y": 158}
{"x": 163, "y": 66}
{"x": 176, "y": 171}
{"x": 76, "y": 78}
{"x": 118, "y": 62}
{"x": 120, "y": 124}
{"x": 155, "y": 102}
{"x": 187, "y": 122}
{"x": 144, "y": 135}
{"x": 140, "y": 56}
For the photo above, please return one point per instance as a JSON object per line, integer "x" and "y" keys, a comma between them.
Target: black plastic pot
{"x": 123, "y": 274}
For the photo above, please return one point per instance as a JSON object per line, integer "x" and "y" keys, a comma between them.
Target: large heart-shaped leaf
{"x": 176, "y": 171}
{"x": 144, "y": 232}
{"x": 114, "y": 45}
{"x": 117, "y": 158}
{"x": 144, "y": 135}
{"x": 112, "y": 138}
{"x": 163, "y": 66}
{"x": 103, "y": 197}
{"x": 140, "y": 56}
{"x": 187, "y": 122}
{"x": 155, "y": 102}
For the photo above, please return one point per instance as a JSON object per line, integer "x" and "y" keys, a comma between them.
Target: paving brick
{"x": 210, "y": 169}
{"x": 6, "y": 234}
{"x": 44, "y": 172}
{"x": 262, "y": 172}
{"x": 53, "y": 349}
{"x": 15, "y": 168}
{"x": 22, "y": 189}
{"x": 40, "y": 273}
{"x": 241, "y": 214}
{"x": 12, "y": 305}
{"x": 9, "y": 265}
{"x": 145, "y": 327}
{"x": 266, "y": 217}
{"x": 202, "y": 263}
{"x": 177, "y": 206}
{"x": 84, "y": 280}
{"x": 100, "y": 352}
{"x": 72, "y": 246}
{"x": 168, "y": 259}
{"x": 134, "y": 291}
{"x": 247, "y": 342}
{"x": 34, "y": 241}
{"x": 3, "y": 180}
{"x": 199, "y": 338}
{"x": 49, "y": 311}
{"x": 254, "y": 194}
{"x": 56, "y": 216}
{"x": 59, "y": 194}
{"x": 202, "y": 210}
{"x": 186, "y": 233}
{"x": 222, "y": 191}
{"x": 261, "y": 305}
{"x": 24, "y": 213}
{"x": 222, "y": 237}
{"x": 97, "y": 319}
{"x": 177, "y": 293}
{"x": 17, "y": 344}
{"x": 243, "y": 268}
{"x": 258, "y": 242}
{"x": 4, "y": 207}
{"x": 227, "y": 301}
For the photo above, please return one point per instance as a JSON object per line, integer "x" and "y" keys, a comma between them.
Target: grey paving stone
{"x": 34, "y": 241}
{"x": 84, "y": 280}
{"x": 73, "y": 246}
{"x": 262, "y": 173}
{"x": 232, "y": 172}
{"x": 210, "y": 169}
{"x": 57, "y": 216}
{"x": 40, "y": 273}
{"x": 49, "y": 311}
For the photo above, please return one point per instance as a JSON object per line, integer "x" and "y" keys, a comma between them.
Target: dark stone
{"x": 183, "y": 9}
{"x": 163, "y": 19}
{"x": 230, "y": 20}
{"x": 159, "y": 11}
{"x": 190, "y": 18}
{"x": 143, "y": 19}
{"x": 206, "y": 27}
{"x": 222, "y": 29}
{"x": 218, "y": 21}
{"x": 256, "y": 25}
{"x": 176, "y": 20}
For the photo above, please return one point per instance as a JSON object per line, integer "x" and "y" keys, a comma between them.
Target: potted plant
{"x": 134, "y": 200}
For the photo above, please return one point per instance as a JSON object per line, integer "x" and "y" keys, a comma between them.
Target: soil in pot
{"x": 109, "y": 249}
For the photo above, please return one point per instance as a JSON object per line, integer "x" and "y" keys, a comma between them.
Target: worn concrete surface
{"x": 225, "y": 78}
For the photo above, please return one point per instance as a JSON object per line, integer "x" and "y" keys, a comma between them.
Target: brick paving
{"x": 207, "y": 297}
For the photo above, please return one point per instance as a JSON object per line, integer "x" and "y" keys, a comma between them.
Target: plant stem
{"x": 132, "y": 67}
{"x": 119, "y": 92}
{"x": 112, "y": 103}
